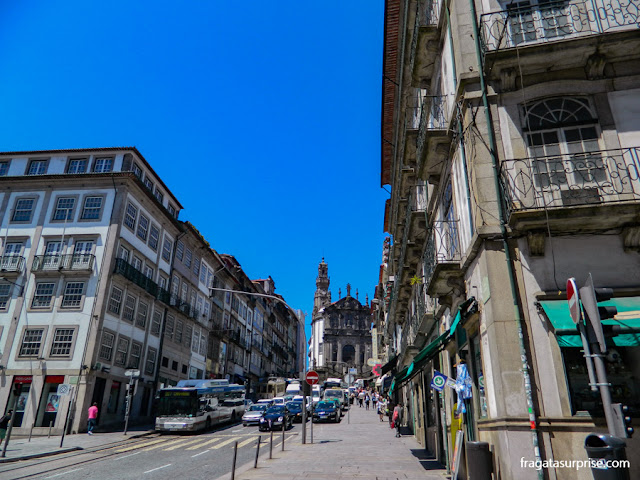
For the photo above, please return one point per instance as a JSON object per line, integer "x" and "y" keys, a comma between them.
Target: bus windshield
{"x": 177, "y": 403}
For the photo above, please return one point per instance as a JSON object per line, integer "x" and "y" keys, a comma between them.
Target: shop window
{"x": 49, "y": 401}
{"x": 19, "y": 404}
{"x": 114, "y": 397}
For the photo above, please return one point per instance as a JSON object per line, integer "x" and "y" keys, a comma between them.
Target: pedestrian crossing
{"x": 169, "y": 444}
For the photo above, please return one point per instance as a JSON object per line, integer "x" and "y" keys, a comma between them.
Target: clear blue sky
{"x": 262, "y": 117}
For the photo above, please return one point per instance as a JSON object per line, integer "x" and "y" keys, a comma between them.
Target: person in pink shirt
{"x": 93, "y": 418}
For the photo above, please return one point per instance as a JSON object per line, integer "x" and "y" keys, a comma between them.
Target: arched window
{"x": 563, "y": 138}
{"x": 348, "y": 353}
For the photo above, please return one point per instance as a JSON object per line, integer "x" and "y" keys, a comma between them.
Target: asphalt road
{"x": 198, "y": 456}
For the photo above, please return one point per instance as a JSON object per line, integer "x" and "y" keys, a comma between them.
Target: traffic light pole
{"x": 603, "y": 385}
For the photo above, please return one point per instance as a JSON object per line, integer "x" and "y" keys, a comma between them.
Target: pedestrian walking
{"x": 93, "y": 418}
{"x": 4, "y": 424}
{"x": 397, "y": 417}
{"x": 367, "y": 400}
{"x": 381, "y": 409}
{"x": 361, "y": 398}
{"x": 389, "y": 411}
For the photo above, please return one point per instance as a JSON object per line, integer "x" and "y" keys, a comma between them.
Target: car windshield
{"x": 257, "y": 408}
{"x": 333, "y": 393}
{"x": 276, "y": 409}
{"x": 294, "y": 406}
{"x": 326, "y": 405}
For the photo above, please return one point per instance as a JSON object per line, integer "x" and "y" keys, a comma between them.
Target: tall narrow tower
{"x": 323, "y": 295}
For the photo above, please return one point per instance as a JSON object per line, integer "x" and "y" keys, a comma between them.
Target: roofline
{"x": 99, "y": 149}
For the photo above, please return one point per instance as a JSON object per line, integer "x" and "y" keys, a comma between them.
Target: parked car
{"x": 247, "y": 402}
{"x": 253, "y": 414}
{"x": 237, "y": 406}
{"x": 274, "y": 418}
{"x": 326, "y": 411}
{"x": 336, "y": 394}
{"x": 295, "y": 410}
{"x": 278, "y": 401}
{"x": 265, "y": 401}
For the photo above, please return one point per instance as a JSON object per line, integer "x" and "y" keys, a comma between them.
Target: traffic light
{"x": 590, "y": 297}
{"x": 17, "y": 389}
{"x": 622, "y": 417}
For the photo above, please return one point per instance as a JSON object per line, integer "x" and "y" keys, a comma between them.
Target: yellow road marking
{"x": 140, "y": 445}
{"x": 172, "y": 442}
{"x": 247, "y": 442}
{"x": 173, "y": 447}
{"x": 226, "y": 442}
{"x": 196, "y": 447}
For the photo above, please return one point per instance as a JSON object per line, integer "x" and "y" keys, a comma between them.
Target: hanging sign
{"x": 438, "y": 381}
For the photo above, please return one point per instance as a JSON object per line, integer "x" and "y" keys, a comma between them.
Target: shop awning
{"x": 627, "y": 321}
{"x": 390, "y": 365}
{"x": 426, "y": 354}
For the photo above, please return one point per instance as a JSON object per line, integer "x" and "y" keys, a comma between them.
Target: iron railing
{"x": 427, "y": 15}
{"x": 546, "y": 22}
{"x": 606, "y": 176}
{"x": 433, "y": 117}
{"x": 443, "y": 246}
{"x": 74, "y": 261}
{"x": 419, "y": 199}
{"x": 131, "y": 273}
{"x": 11, "y": 263}
{"x": 414, "y": 111}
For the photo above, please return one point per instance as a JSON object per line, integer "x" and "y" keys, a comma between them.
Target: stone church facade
{"x": 341, "y": 331}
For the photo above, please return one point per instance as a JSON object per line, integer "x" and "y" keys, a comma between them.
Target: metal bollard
{"x": 255, "y": 463}
{"x": 284, "y": 424}
{"x": 50, "y": 425}
{"x": 271, "y": 446}
{"x": 235, "y": 456}
{"x": 31, "y": 431}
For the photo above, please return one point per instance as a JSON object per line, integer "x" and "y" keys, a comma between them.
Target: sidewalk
{"x": 20, "y": 448}
{"x": 364, "y": 448}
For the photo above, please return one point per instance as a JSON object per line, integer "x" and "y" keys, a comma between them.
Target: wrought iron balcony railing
{"x": 546, "y": 22}
{"x": 606, "y": 176}
{"x": 11, "y": 263}
{"x": 433, "y": 117}
{"x": 129, "y": 272}
{"x": 419, "y": 199}
{"x": 443, "y": 246}
{"x": 70, "y": 262}
{"x": 427, "y": 15}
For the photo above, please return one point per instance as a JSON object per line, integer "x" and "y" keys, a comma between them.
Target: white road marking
{"x": 165, "y": 466}
{"x": 137, "y": 453}
{"x": 64, "y": 473}
{"x": 197, "y": 454}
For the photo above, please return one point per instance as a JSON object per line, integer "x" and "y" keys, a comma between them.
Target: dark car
{"x": 295, "y": 410}
{"x": 326, "y": 411}
{"x": 274, "y": 418}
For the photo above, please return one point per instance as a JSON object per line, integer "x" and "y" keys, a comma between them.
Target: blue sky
{"x": 262, "y": 117}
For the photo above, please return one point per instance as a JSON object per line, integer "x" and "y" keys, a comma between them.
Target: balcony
{"x": 131, "y": 273}
{"x": 418, "y": 220}
{"x": 586, "y": 191}
{"x": 424, "y": 43}
{"x": 75, "y": 262}
{"x": 434, "y": 138}
{"x": 11, "y": 264}
{"x": 442, "y": 259}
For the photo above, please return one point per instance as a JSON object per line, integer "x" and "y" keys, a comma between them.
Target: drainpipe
{"x": 493, "y": 149}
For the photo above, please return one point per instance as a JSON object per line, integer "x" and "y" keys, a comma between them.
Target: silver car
{"x": 253, "y": 414}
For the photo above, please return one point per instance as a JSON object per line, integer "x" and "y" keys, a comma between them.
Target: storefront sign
{"x": 438, "y": 381}
{"x": 22, "y": 379}
{"x": 54, "y": 379}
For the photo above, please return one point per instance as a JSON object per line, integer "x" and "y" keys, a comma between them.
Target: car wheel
{"x": 244, "y": 424}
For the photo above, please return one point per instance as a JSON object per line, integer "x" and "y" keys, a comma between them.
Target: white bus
{"x": 194, "y": 405}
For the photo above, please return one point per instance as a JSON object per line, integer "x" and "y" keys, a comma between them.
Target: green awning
{"x": 420, "y": 360}
{"x": 455, "y": 323}
{"x": 628, "y": 319}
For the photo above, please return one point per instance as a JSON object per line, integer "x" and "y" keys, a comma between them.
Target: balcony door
{"x": 11, "y": 256}
{"x": 530, "y": 21}
{"x": 82, "y": 251}
{"x": 52, "y": 255}
{"x": 563, "y": 138}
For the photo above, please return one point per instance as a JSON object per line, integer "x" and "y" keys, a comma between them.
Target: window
{"x": 52, "y": 255}
{"x": 92, "y": 208}
{"x": 175, "y": 286}
{"x": 121, "y": 351}
{"x": 174, "y": 366}
{"x": 137, "y": 263}
{"x": 203, "y": 345}
{"x": 166, "y": 249}
{"x": 141, "y": 318}
{"x": 4, "y": 168}
{"x": 137, "y": 171}
{"x": 148, "y": 183}
{"x": 5, "y": 295}
{"x": 77, "y": 165}
{"x": 159, "y": 195}
{"x": 115, "y": 301}
{"x": 187, "y": 258}
{"x": 31, "y": 342}
{"x": 64, "y": 208}
{"x": 188, "y": 333}
{"x": 148, "y": 272}
{"x": 62, "y": 342}
{"x": 136, "y": 352}
{"x": 103, "y": 164}
{"x": 172, "y": 211}
{"x": 164, "y": 362}
{"x": 150, "y": 366}
{"x": 82, "y": 253}
{"x": 184, "y": 293}
{"x": 168, "y": 328}
{"x": 530, "y": 20}
{"x": 184, "y": 369}
{"x": 106, "y": 347}
{"x": 196, "y": 267}
{"x": 129, "y": 310}
{"x": 180, "y": 250}
{"x": 130, "y": 216}
{"x": 156, "y": 323}
{"x": 195, "y": 341}
{"x": 162, "y": 282}
{"x": 203, "y": 273}
{"x": 143, "y": 227}
{"x": 178, "y": 332}
{"x": 123, "y": 253}
{"x": 23, "y": 209}
{"x": 43, "y": 296}
{"x": 154, "y": 237}
{"x": 37, "y": 167}
{"x": 73, "y": 292}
